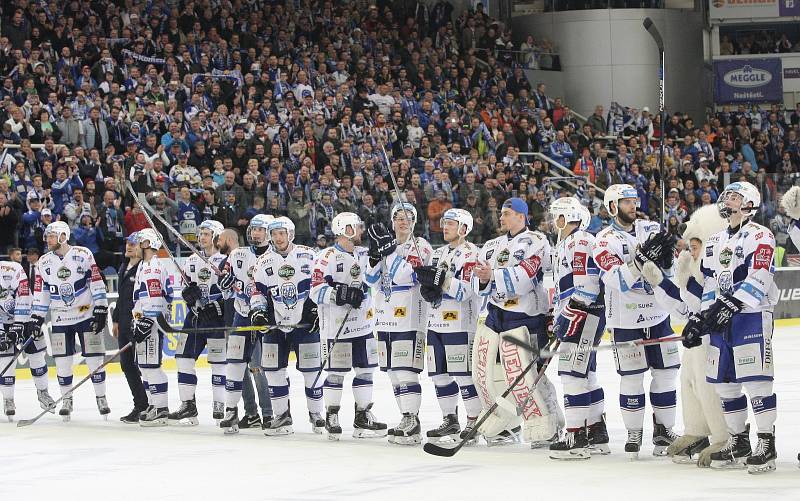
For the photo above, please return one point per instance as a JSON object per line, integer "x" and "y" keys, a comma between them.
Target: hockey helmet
{"x": 150, "y": 236}
{"x": 259, "y": 221}
{"x": 617, "y": 192}
{"x": 461, "y": 216}
{"x": 282, "y": 223}
{"x": 58, "y": 228}
{"x": 749, "y": 194}
{"x": 343, "y": 221}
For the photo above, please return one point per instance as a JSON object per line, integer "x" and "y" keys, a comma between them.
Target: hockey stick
{"x": 19, "y": 354}
{"x": 446, "y": 452}
{"x": 602, "y": 347}
{"x": 333, "y": 345}
{"x": 545, "y": 365}
{"x": 28, "y": 422}
{"x": 241, "y": 328}
{"x": 653, "y": 31}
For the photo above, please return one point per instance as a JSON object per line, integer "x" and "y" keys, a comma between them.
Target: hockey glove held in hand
{"x": 381, "y": 242}
{"x": 431, "y": 276}
{"x": 210, "y": 313}
{"x": 719, "y": 316}
{"x": 142, "y": 329}
{"x": 225, "y": 282}
{"x": 693, "y": 331}
{"x": 100, "y": 317}
{"x": 34, "y": 328}
{"x": 346, "y": 294}
{"x": 191, "y": 294}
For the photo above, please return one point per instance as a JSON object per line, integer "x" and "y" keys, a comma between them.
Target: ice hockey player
{"x": 280, "y": 297}
{"x": 509, "y": 273}
{"x": 238, "y": 283}
{"x": 452, "y": 317}
{"x": 69, "y": 285}
{"x": 739, "y": 289}
{"x": 205, "y": 306}
{"x": 400, "y": 313}
{"x": 579, "y": 324}
{"x": 15, "y": 310}
{"x": 630, "y": 254}
{"x": 340, "y": 286}
{"x": 152, "y": 295}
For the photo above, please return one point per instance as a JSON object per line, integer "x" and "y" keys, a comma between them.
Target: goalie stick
{"x": 603, "y": 347}
{"x": 446, "y": 452}
{"x": 28, "y": 422}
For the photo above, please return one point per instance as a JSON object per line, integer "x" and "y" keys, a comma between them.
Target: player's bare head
{"x": 228, "y": 240}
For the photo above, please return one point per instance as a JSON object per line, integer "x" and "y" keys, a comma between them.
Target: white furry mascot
{"x": 705, "y": 431}
{"x": 791, "y": 202}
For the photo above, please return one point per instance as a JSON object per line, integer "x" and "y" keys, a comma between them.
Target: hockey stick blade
{"x": 522, "y": 344}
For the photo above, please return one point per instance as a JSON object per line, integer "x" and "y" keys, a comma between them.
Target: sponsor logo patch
{"x": 762, "y": 257}
{"x": 63, "y": 273}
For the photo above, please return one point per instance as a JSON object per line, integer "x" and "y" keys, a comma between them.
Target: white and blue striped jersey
{"x": 152, "y": 289}
{"x": 286, "y": 279}
{"x": 69, "y": 286}
{"x": 241, "y": 263}
{"x": 575, "y": 274}
{"x": 198, "y": 271}
{"x": 15, "y": 293}
{"x": 459, "y": 308}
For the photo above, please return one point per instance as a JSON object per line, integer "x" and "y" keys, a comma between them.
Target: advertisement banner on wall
{"x": 788, "y": 282}
{"x": 748, "y": 81}
{"x": 752, "y": 9}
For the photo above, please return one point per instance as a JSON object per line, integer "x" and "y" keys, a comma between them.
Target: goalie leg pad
{"x": 490, "y": 381}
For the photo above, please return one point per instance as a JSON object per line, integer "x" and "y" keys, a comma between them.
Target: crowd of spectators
{"x": 757, "y": 42}
{"x": 228, "y": 109}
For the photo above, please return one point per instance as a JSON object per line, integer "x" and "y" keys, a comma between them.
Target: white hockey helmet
{"x": 58, "y": 228}
{"x": 617, "y": 192}
{"x": 282, "y": 223}
{"x": 749, "y": 194}
{"x": 572, "y": 210}
{"x": 343, "y": 221}
{"x": 461, "y": 216}
{"x": 152, "y": 238}
{"x": 259, "y": 221}
{"x": 406, "y": 207}
{"x": 215, "y": 227}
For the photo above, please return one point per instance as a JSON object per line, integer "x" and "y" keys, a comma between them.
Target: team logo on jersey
{"x": 63, "y": 273}
{"x": 67, "y": 293}
{"x": 489, "y": 254}
{"x": 414, "y": 261}
{"x": 762, "y": 257}
{"x": 739, "y": 252}
{"x": 286, "y": 272}
{"x": 502, "y": 257}
{"x": 239, "y": 263}
{"x": 153, "y": 287}
{"x": 725, "y": 256}
{"x": 519, "y": 255}
{"x": 340, "y": 268}
{"x": 355, "y": 271}
{"x": 250, "y": 271}
{"x": 305, "y": 269}
{"x": 269, "y": 271}
{"x": 289, "y": 294}
{"x": 579, "y": 263}
{"x": 449, "y": 316}
{"x": 399, "y": 312}
{"x": 191, "y": 268}
{"x": 204, "y": 274}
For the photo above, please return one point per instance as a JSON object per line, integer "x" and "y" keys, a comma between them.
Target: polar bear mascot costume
{"x": 704, "y": 425}
{"x": 791, "y": 202}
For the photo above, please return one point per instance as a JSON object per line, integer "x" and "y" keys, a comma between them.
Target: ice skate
{"x": 218, "y": 411}
{"x": 598, "y": 437}
{"x": 448, "y": 431}
{"x": 505, "y": 437}
{"x": 102, "y": 407}
{"x": 735, "y": 453}
{"x": 763, "y": 459}
{"x": 691, "y": 453}
{"x": 66, "y": 409}
{"x": 365, "y": 426}
{"x": 9, "y": 408}
{"x": 634, "y": 444}
{"x": 230, "y": 423}
{"x": 662, "y": 438}
{"x": 332, "y": 425}
{"x": 154, "y": 416}
{"x": 408, "y": 432}
{"x": 468, "y": 427}
{"x": 280, "y": 425}
{"x": 573, "y": 445}
{"x": 186, "y": 415}
{"x": 317, "y": 422}
{"x": 46, "y": 402}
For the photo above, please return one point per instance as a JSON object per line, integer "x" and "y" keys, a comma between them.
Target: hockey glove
{"x": 17, "y": 332}
{"x": 720, "y": 315}
{"x": 210, "y": 313}
{"x": 381, "y": 242}
{"x": 432, "y": 295}
{"x": 142, "y": 329}
{"x": 100, "y": 316}
{"x": 652, "y": 249}
{"x": 191, "y": 294}
{"x": 34, "y": 328}
{"x": 259, "y": 318}
{"x": 6, "y": 341}
{"x": 693, "y": 331}
{"x": 225, "y": 281}
{"x": 431, "y": 276}
{"x": 310, "y": 315}
{"x": 346, "y": 294}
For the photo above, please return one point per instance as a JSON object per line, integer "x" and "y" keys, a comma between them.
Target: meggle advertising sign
{"x": 748, "y": 81}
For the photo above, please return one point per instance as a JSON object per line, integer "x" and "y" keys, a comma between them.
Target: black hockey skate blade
{"x": 522, "y": 344}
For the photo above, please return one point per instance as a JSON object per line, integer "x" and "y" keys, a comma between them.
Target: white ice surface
{"x": 89, "y": 458}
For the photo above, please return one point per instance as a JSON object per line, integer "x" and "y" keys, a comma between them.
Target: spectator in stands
{"x": 9, "y": 221}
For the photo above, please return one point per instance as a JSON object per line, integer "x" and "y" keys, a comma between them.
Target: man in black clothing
{"x": 123, "y": 327}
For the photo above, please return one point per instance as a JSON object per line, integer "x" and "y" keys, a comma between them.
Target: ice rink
{"x": 89, "y": 458}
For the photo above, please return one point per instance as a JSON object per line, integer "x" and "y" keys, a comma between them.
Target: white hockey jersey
{"x": 399, "y": 307}
{"x": 631, "y": 302}
{"x": 575, "y": 274}
{"x": 335, "y": 265}
{"x": 197, "y": 270}
{"x": 517, "y": 284}
{"x": 287, "y": 280}
{"x": 15, "y": 293}
{"x": 241, "y": 263}
{"x": 69, "y": 287}
{"x": 152, "y": 290}
{"x": 459, "y": 308}
{"x": 741, "y": 264}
